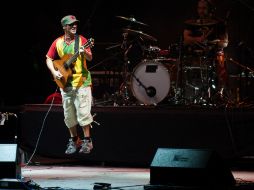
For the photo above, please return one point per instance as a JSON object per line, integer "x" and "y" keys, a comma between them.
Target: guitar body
{"x": 64, "y": 70}
{"x": 66, "y": 62}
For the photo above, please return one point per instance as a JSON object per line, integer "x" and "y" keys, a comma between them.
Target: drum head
{"x": 150, "y": 82}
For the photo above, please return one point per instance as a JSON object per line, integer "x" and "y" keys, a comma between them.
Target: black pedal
{"x": 99, "y": 186}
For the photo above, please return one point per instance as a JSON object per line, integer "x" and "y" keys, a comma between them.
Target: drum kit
{"x": 148, "y": 82}
{"x": 161, "y": 77}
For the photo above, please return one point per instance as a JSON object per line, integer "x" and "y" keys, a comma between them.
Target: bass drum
{"x": 150, "y": 82}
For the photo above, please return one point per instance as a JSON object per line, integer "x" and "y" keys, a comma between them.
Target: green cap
{"x": 69, "y": 19}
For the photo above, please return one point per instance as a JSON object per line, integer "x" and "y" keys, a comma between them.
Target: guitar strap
{"x": 76, "y": 46}
{"x": 76, "y": 49}
{"x": 82, "y": 54}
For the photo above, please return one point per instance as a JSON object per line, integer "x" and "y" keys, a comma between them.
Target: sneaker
{"x": 72, "y": 146}
{"x": 86, "y": 146}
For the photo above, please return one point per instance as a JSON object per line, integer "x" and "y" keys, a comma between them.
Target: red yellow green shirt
{"x": 81, "y": 76}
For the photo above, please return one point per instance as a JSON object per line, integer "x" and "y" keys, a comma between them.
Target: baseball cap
{"x": 69, "y": 19}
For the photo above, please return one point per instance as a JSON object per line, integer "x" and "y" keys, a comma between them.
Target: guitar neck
{"x": 72, "y": 59}
{"x": 76, "y": 54}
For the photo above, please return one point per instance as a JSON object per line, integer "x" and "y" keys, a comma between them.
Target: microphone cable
{"x": 42, "y": 127}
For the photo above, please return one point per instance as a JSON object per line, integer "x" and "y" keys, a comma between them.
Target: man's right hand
{"x": 57, "y": 74}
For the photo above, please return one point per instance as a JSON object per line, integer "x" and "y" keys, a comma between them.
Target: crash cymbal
{"x": 132, "y": 19}
{"x": 201, "y": 22}
{"x": 216, "y": 41}
{"x": 140, "y": 33}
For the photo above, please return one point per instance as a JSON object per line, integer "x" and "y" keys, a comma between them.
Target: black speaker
{"x": 9, "y": 164}
{"x": 189, "y": 167}
{"x": 8, "y": 128}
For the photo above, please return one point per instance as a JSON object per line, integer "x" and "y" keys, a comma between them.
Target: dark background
{"x": 28, "y": 29}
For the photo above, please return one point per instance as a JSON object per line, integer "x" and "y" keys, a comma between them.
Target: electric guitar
{"x": 65, "y": 64}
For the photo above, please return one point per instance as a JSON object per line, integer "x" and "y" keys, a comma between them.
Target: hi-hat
{"x": 132, "y": 19}
{"x": 140, "y": 33}
{"x": 201, "y": 22}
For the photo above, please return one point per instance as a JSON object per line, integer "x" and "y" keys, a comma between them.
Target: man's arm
{"x": 87, "y": 53}
{"x": 56, "y": 74}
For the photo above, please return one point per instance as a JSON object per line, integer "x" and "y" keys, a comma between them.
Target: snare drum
{"x": 150, "y": 82}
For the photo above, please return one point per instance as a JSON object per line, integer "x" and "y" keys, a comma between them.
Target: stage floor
{"x": 84, "y": 177}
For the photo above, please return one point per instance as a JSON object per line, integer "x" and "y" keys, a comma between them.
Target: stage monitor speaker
{"x": 189, "y": 167}
{"x": 10, "y": 168}
{"x": 8, "y": 128}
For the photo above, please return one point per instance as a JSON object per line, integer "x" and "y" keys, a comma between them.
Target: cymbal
{"x": 201, "y": 22}
{"x": 142, "y": 34}
{"x": 132, "y": 19}
{"x": 216, "y": 41}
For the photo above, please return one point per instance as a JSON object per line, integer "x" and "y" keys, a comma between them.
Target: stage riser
{"x": 132, "y": 135}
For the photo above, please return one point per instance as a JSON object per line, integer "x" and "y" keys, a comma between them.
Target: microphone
{"x": 151, "y": 91}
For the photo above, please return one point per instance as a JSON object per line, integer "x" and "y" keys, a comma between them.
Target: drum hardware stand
{"x": 216, "y": 96}
{"x": 239, "y": 99}
{"x": 105, "y": 100}
{"x": 208, "y": 93}
{"x": 179, "y": 90}
{"x": 196, "y": 89}
{"x": 202, "y": 91}
{"x": 207, "y": 82}
{"x": 124, "y": 88}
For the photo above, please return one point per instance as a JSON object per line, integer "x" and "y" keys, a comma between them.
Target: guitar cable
{"x": 43, "y": 124}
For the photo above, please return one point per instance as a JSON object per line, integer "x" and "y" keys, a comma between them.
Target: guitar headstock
{"x": 89, "y": 43}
